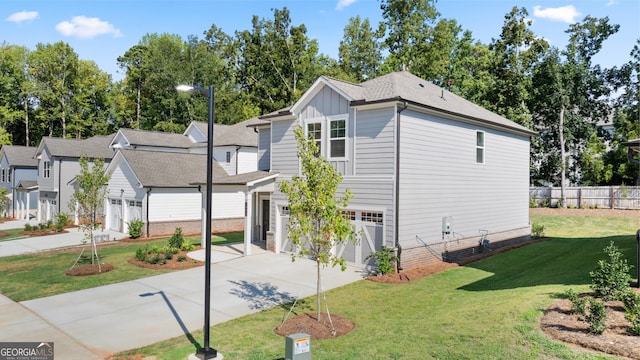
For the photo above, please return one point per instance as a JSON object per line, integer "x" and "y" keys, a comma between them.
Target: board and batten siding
{"x": 326, "y": 102}
{"x": 439, "y": 177}
{"x": 264, "y": 149}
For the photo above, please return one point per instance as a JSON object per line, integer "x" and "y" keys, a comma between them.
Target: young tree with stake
{"x": 317, "y": 222}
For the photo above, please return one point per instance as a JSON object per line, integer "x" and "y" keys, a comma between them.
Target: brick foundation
{"x": 192, "y": 227}
{"x": 454, "y": 250}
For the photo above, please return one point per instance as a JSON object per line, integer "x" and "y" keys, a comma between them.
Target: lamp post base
{"x": 212, "y": 354}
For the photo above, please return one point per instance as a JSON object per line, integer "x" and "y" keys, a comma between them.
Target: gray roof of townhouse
{"x": 165, "y": 169}
{"x": 20, "y": 156}
{"x": 93, "y": 147}
{"x": 237, "y": 134}
{"x": 156, "y": 138}
{"x": 404, "y": 86}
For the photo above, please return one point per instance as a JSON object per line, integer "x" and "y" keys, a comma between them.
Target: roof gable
{"x": 93, "y": 147}
{"x": 345, "y": 89}
{"x": 19, "y": 156}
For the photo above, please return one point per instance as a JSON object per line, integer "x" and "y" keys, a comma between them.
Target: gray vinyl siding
{"x": 46, "y": 184}
{"x": 439, "y": 177}
{"x": 283, "y": 147}
{"x": 20, "y": 174}
{"x": 264, "y": 149}
{"x": 70, "y": 168}
{"x": 374, "y": 142}
{"x": 373, "y": 194}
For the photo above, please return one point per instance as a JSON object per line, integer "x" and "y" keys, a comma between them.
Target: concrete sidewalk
{"x": 101, "y": 321}
{"x": 73, "y": 237}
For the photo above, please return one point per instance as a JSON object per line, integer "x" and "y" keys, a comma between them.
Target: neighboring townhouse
{"x": 429, "y": 170}
{"x": 18, "y": 174}
{"x": 58, "y": 165}
{"x": 165, "y": 191}
{"x": 235, "y": 147}
{"x": 633, "y": 154}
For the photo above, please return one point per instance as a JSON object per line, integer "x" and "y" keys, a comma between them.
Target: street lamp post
{"x": 206, "y": 352}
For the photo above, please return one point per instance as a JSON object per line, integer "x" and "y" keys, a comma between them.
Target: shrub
{"x": 384, "y": 260}
{"x": 533, "y": 203}
{"x": 579, "y": 304}
{"x": 182, "y": 258}
{"x": 631, "y": 302}
{"x": 596, "y": 316}
{"x": 176, "y": 240}
{"x": 537, "y": 230}
{"x": 610, "y": 278}
{"x": 141, "y": 253}
{"x": 27, "y": 227}
{"x": 62, "y": 219}
{"x": 135, "y": 228}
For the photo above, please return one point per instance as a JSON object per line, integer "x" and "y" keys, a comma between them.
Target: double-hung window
{"x": 480, "y": 147}
{"x": 337, "y": 138}
{"x": 314, "y": 131}
{"x": 46, "y": 169}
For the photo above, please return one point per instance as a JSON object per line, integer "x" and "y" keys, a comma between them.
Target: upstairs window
{"x": 480, "y": 147}
{"x": 2, "y": 172}
{"x": 228, "y": 157}
{"x": 46, "y": 169}
{"x": 314, "y": 131}
{"x": 337, "y": 138}
{"x": 9, "y": 175}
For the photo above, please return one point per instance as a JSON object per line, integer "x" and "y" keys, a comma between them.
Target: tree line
{"x": 558, "y": 92}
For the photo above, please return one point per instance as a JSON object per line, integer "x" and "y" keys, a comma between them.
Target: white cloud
{"x": 85, "y": 27}
{"x": 612, "y": 2}
{"x": 23, "y": 16}
{"x": 344, "y": 3}
{"x": 567, "y": 13}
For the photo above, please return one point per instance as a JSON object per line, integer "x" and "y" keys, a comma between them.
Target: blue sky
{"x": 102, "y": 30}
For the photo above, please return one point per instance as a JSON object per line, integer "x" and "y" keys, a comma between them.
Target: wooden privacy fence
{"x": 612, "y": 197}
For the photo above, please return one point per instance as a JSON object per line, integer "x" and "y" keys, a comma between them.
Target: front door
{"x": 264, "y": 226}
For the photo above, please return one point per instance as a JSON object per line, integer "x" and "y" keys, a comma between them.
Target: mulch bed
{"x": 308, "y": 323}
{"x": 559, "y": 323}
{"x": 171, "y": 264}
{"x": 89, "y": 269}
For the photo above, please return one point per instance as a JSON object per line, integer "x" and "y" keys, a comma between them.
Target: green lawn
{"x": 12, "y": 234}
{"x": 485, "y": 310}
{"x": 45, "y": 272}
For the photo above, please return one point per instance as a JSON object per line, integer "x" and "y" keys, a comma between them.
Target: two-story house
{"x": 18, "y": 174}
{"x": 58, "y": 165}
{"x": 429, "y": 170}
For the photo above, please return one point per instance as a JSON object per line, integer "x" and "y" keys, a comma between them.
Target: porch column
{"x": 248, "y": 217}
{"x": 27, "y": 205}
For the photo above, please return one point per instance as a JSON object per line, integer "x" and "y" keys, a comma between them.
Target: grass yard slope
{"x": 489, "y": 309}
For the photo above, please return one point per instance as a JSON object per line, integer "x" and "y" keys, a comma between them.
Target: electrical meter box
{"x": 446, "y": 225}
{"x": 298, "y": 347}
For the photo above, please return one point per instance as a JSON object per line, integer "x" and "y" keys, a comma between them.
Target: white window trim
{"x": 331, "y": 119}
{"x": 481, "y": 147}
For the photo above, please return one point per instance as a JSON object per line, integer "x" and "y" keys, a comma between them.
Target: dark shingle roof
{"x": 167, "y": 169}
{"x": 156, "y": 138}
{"x": 236, "y": 134}
{"x": 93, "y": 147}
{"x": 405, "y": 86}
{"x": 21, "y": 156}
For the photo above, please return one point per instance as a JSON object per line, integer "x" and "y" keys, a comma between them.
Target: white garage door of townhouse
{"x": 115, "y": 214}
{"x": 369, "y": 226}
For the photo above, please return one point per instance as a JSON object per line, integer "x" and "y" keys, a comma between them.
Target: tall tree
{"x": 14, "y": 105}
{"x": 359, "y": 52}
{"x": 279, "y": 61}
{"x": 89, "y": 114}
{"x": 516, "y": 52}
{"x": 54, "y": 68}
{"x": 569, "y": 100}
{"x": 131, "y": 90}
{"x": 317, "y": 222}
{"x": 407, "y": 25}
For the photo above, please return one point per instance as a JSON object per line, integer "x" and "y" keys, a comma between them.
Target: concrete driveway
{"x": 93, "y": 323}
